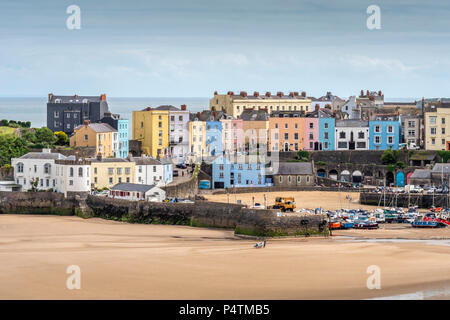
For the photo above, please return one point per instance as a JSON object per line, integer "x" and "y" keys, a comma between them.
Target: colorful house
{"x": 287, "y": 131}
{"x": 351, "y": 134}
{"x": 151, "y": 128}
{"x": 121, "y": 125}
{"x": 311, "y": 140}
{"x": 197, "y": 138}
{"x": 232, "y": 135}
{"x": 101, "y": 136}
{"x": 238, "y": 172}
{"x": 108, "y": 172}
{"x": 256, "y": 129}
{"x": 326, "y": 128}
{"x": 384, "y": 132}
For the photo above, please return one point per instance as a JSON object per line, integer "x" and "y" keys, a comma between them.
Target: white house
{"x": 153, "y": 172}
{"x": 137, "y": 192}
{"x": 73, "y": 175}
{"x": 36, "y": 165}
{"x": 351, "y": 135}
{"x": 178, "y": 132}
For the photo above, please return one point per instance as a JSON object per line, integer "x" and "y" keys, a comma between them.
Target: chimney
{"x": 75, "y": 96}
{"x": 379, "y": 93}
{"x": 215, "y": 93}
{"x": 268, "y": 94}
{"x": 303, "y": 94}
{"x": 183, "y": 107}
{"x": 50, "y": 97}
{"x": 148, "y": 109}
{"x": 198, "y": 115}
{"x": 256, "y": 94}
{"x": 103, "y": 97}
{"x": 215, "y": 115}
{"x": 99, "y": 156}
{"x": 87, "y": 122}
{"x": 317, "y": 107}
{"x": 367, "y": 93}
{"x": 362, "y": 93}
{"x": 291, "y": 94}
{"x": 77, "y": 155}
{"x": 130, "y": 156}
{"x": 296, "y": 93}
{"x": 280, "y": 94}
{"x": 243, "y": 94}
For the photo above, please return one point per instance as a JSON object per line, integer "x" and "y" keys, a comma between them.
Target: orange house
{"x": 287, "y": 131}
{"x": 99, "y": 135}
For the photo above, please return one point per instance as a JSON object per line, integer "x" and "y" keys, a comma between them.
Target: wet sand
{"x": 131, "y": 261}
{"x": 327, "y": 200}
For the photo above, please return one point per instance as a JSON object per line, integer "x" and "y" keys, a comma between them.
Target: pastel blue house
{"x": 122, "y": 127}
{"x": 229, "y": 174}
{"x": 384, "y": 133}
{"x": 214, "y": 137}
{"x": 326, "y": 128}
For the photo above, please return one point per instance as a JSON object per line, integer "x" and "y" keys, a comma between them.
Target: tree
{"x": 62, "y": 138}
{"x": 45, "y": 136}
{"x": 11, "y": 146}
{"x": 29, "y": 135}
{"x": 34, "y": 182}
{"x": 303, "y": 155}
{"x": 389, "y": 157}
{"x": 4, "y": 122}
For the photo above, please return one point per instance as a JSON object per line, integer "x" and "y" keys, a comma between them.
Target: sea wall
{"x": 403, "y": 200}
{"x": 187, "y": 189}
{"x": 244, "y": 221}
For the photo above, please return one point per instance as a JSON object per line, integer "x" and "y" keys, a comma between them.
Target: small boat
{"x": 424, "y": 224}
{"x": 334, "y": 225}
{"x": 346, "y": 225}
{"x": 365, "y": 225}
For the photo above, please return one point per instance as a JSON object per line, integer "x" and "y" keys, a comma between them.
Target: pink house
{"x": 311, "y": 141}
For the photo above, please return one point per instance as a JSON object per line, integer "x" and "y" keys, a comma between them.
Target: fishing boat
{"x": 333, "y": 225}
{"x": 424, "y": 224}
{"x": 365, "y": 224}
{"x": 346, "y": 225}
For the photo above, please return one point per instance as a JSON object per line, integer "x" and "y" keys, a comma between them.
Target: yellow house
{"x": 197, "y": 139}
{"x": 99, "y": 135}
{"x": 437, "y": 129}
{"x": 234, "y": 104}
{"x": 109, "y": 172}
{"x": 151, "y": 128}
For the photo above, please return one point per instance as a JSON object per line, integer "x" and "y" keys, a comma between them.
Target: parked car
{"x": 181, "y": 166}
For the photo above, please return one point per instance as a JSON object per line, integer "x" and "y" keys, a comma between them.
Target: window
{"x": 119, "y": 170}
{"x": 443, "y": 120}
{"x": 95, "y": 180}
{"x": 411, "y": 124}
{"x": 71, "y": 172}
{"x": 443, "y": 130}
{"x": 412, "y": 133}
{"x": 433, "y": 120}
{"x": 95, "y": 170}
{"x": 295, "y": 136}
{"x": 390, "y": 129}
{"x": 390, "y": 140}
{"x": 286, "y": 136}
{"x": 325, "y": 135}
{"x": 342, "y": 135}
{"x": 310, "y": 145}
{"x": 326, "y": 145}
{"x": 443, "y": 141}
{"x": 70, "y": 182}
{"x": 433, "y": 141}
{"x": 311, "y": 136}
{"x": 377, "y": 129}
{"x": 311, "y": 125}
{"x": 127, "y": 170}
{"x": 326, "y": 125}
{"x": 377, "y": 139}
{"x": 86, "y": 137}
{"x": 342, "y": 144}
{"x": 432, "y": 130}
{"x": 120, "y": 180}
{"x": 128, "y": 179}
{"x": 361, "y": 135}
{"x": 285, "y": 125}
{"x": 110, "y": 171}
{"x": 20, "y": 167}
{"x": 56, "y": 114}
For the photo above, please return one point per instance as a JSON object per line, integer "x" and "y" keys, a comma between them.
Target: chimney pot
{"x": 87, "y": 122}
{"x": 303, "y": 94}
{"x": 183, "y": 107}
{"x": 50, "y": 97}
{"x": 103, "y": 97}
{"x": 215, "y": 93}
{"x": 268, "y": 94}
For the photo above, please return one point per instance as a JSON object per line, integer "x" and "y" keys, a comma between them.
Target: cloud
{"x": 388, "y": 65}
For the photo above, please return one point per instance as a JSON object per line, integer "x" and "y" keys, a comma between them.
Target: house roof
{"x": 133, "y": 187}
{"x": 351, "y": 123}
{"x": 254, "y": 115}
{"x": 43, "y": 155}
{"x": 146, "y": 161}
{"x": 75, "y": 99}
{"x": 167, "y": 107}
{"x": 295, "y": 168}
{"x": 423, "y": 155}
{"x": 98, "y": 127}
{"x": 421, "y": 174}
{"x": 441, "y": 168}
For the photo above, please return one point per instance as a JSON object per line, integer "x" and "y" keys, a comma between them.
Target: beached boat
{"x": 365, "y": 225}
{"x": 424, "y": 224}
{"x": 346, "y": 225}
{"x": 334, "y": 225}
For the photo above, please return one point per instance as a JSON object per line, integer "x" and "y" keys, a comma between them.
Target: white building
{"x": 178, "y": 132}
{"x": 9, "y": 186}
{"x": 150, "y": 171}
{"x": 36, "y": 166}
{"x": 137, "y": 192}
{"x": 352, "y": 135}
{"x": 73, "y": 175}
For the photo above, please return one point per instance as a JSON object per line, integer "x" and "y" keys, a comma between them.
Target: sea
{"x": 34, "y": 109}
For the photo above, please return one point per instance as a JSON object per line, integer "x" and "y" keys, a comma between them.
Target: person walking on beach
{"x": 264, "y": 245}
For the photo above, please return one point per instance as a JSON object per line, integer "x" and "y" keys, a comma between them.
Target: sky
{"x": 179, "y": 48}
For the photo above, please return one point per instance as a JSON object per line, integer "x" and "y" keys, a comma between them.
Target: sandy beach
{"x": 304, "y": 199}
{"x": 131, "y": 261}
